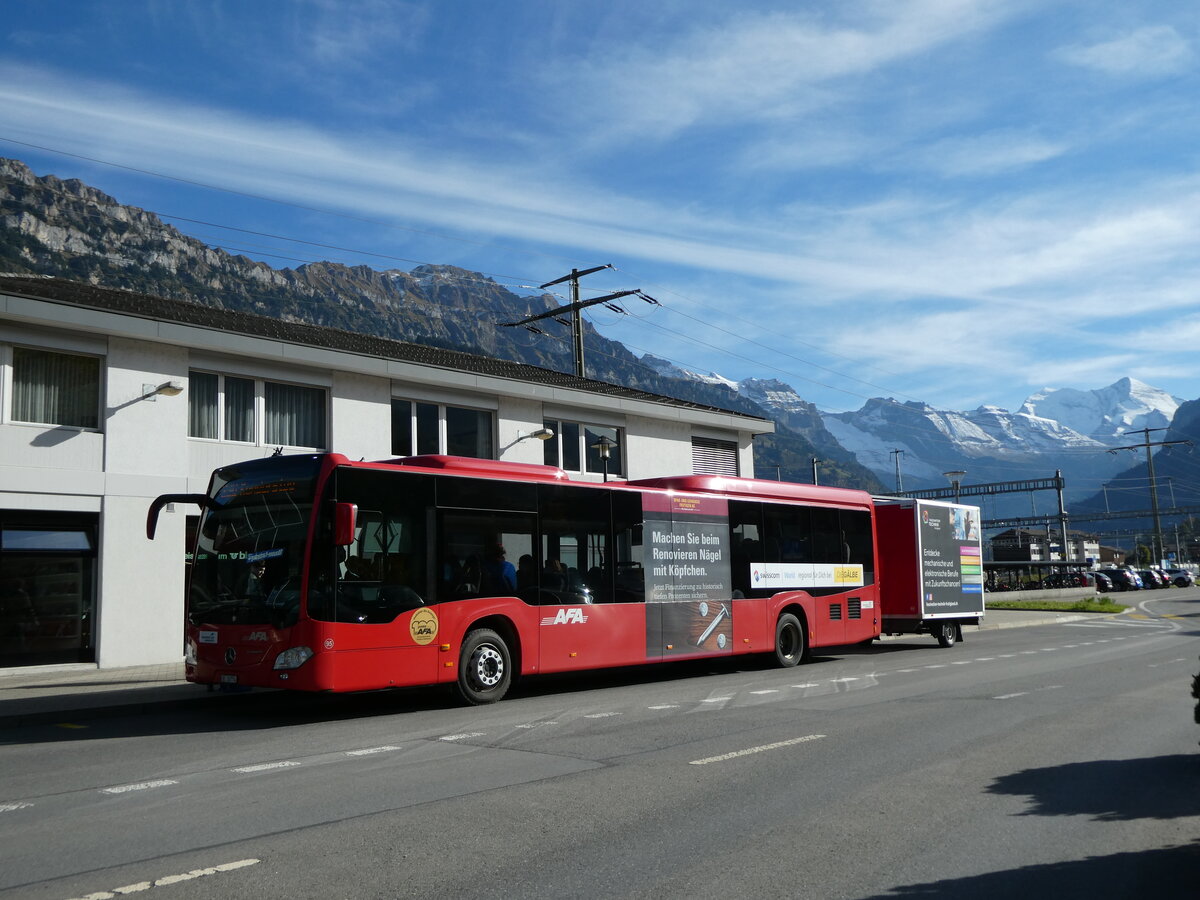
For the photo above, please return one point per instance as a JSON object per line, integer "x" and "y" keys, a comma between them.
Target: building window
{"x": 573, "y": 447}
{"x": 56, "y": 388}
{"x": 47, "y": 587}
{"x": 424, "y": 428}
{"x": 224, "y": 407}
{"x": 713, "y": 457}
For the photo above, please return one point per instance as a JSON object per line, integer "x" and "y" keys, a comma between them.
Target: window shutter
{"x": 712, "y": 457}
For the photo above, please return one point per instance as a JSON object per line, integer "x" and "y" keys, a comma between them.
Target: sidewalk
{"x": 60, "y": 695}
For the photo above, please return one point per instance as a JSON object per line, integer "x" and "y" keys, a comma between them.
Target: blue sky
{"x": 954, "y": 201}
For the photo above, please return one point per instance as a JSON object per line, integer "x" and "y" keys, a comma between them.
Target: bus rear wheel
{"x": 790, "y": 647}
{"x": 484, "y": 667}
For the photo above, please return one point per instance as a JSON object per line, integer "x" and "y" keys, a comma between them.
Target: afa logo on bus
{"x": 423, "y": 626}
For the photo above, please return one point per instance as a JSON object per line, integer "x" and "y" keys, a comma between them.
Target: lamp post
{"x": 956, "y": 477}
{"x": 604, "y": 446}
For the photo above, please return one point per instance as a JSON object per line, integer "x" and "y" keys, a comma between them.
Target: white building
{"x": 109, "y": 399}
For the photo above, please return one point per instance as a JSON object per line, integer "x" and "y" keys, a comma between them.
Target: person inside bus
{"x": 499, "y": 575}
{"x": 526, "y": 572}
{"x": 554, "y": 577}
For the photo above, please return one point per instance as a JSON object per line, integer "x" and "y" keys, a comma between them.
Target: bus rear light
{"x": 189, "y": 653}
{"x": 293, "y": 658}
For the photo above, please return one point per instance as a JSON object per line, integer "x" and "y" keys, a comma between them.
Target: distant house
{"x": 1028, "y": 545}
{"x": 110, "y": 398}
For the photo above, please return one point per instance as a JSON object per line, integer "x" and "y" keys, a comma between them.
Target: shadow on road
{"x": 1111, "y": 790}
{"x": 1164, "y": 874}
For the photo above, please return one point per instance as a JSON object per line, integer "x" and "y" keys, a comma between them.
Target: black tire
{"x": 484, "y": 667}
{"x": 946, "y": 633}
{"x": 791, "y": 647}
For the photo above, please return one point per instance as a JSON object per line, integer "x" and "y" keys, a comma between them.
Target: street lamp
{"x": 956, "y": 477}
{"x": 604, "y": 446}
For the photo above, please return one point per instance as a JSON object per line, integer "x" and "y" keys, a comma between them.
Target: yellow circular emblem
{"x": 423, "y": 626}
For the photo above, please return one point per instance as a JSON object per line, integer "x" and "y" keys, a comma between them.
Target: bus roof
{"x": 753, "y": 487}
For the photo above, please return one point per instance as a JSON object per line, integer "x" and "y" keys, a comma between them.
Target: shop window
{"x": 47, "y": 588}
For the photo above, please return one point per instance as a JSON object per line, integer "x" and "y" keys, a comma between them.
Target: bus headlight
{"x": 293, "y": 658}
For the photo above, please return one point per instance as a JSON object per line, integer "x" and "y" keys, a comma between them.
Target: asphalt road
{"x": 1050, "y": 761}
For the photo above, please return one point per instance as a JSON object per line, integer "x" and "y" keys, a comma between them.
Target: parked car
{"x": 1164, "y": 580}
{"x": 1150, "y": 579}
{"x": 1124, "y": 579}
{"x": 1181, "y": 577}
{"x": 1103, "y": 583}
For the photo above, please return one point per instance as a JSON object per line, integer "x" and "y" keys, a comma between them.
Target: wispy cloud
{"x": 756, "y": 67}
{"x": 985, "y": 154}
{"x": 1152, "y": 51}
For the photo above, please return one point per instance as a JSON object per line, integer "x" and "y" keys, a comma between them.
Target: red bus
{"x": 314, "y": 572}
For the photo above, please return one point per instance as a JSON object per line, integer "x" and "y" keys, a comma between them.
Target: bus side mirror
{"x": 345, "y": 520}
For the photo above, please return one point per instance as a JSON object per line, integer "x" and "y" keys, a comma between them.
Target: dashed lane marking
{"x": 603, "y": 715}
{"x": 140, "y": 786}
{"x": 1010, "y": 696}
{"x": 167, "y": 880}
{"x": 769, "y": 691}
{"x": 370, "y": 751}
{"x": 13, "y": 807}
{"x": 664, "y": 706}
{"x": 266, "y": 767}
{"x": 751, "y": 750}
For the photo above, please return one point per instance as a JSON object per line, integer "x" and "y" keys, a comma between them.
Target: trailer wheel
{"x": 484, "y": 667}
{"x": 790, "y": 646}
{"x": 946, "y": 633}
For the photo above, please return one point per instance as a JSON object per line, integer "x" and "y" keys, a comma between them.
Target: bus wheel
{"x": 946, "y": 634}
{"x": 484, "y": 667}
{"x": 790, "y": 648}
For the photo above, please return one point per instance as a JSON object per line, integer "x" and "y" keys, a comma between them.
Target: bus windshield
{"x": 251, "y": 543}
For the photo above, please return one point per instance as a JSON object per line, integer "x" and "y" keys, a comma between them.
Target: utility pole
{"x": 897, "y": 453}
{"x": 1157, "y": 550}
{"x": 574, "y": 308}
{"x": 814, "y": 465}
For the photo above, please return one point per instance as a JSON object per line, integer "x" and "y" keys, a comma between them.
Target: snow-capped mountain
{"x": 1055, "y": 429}
{"x": 1106, "y": 414}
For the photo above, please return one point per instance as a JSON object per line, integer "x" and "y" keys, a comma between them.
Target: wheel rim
{"x": 487, "y": 667}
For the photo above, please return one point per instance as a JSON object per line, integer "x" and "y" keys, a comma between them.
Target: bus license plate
{"x": 228, "y": 679}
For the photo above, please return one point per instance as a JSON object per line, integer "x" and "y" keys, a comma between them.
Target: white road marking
{"x": 664, "y": 706}
{"x": 841, "y": 680}
{"x": 12, "y": 807}
{"x": 807, "y": 684}
{"x": 716, "y": 700}
{"x": 603, "y": 715}
{"x": 466, "y": 735}
{"x": 1005, "y": 655}
{"x": 372, "y": 750}
{"x": 536, "y": 724}
{"x": 962, "y": 662}
{"x": 905, "y": 670}
{"x": 936, "y": 666}
{"x": 167, "y": 880}
{"x": 769, "y": 691}
{"x": 984, "y": 658}
{"x": 140, "y": 786}
{"x": 750, "y": 750}
{"x": 1010, "y": 696}
{"x": 265, "y": 767}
